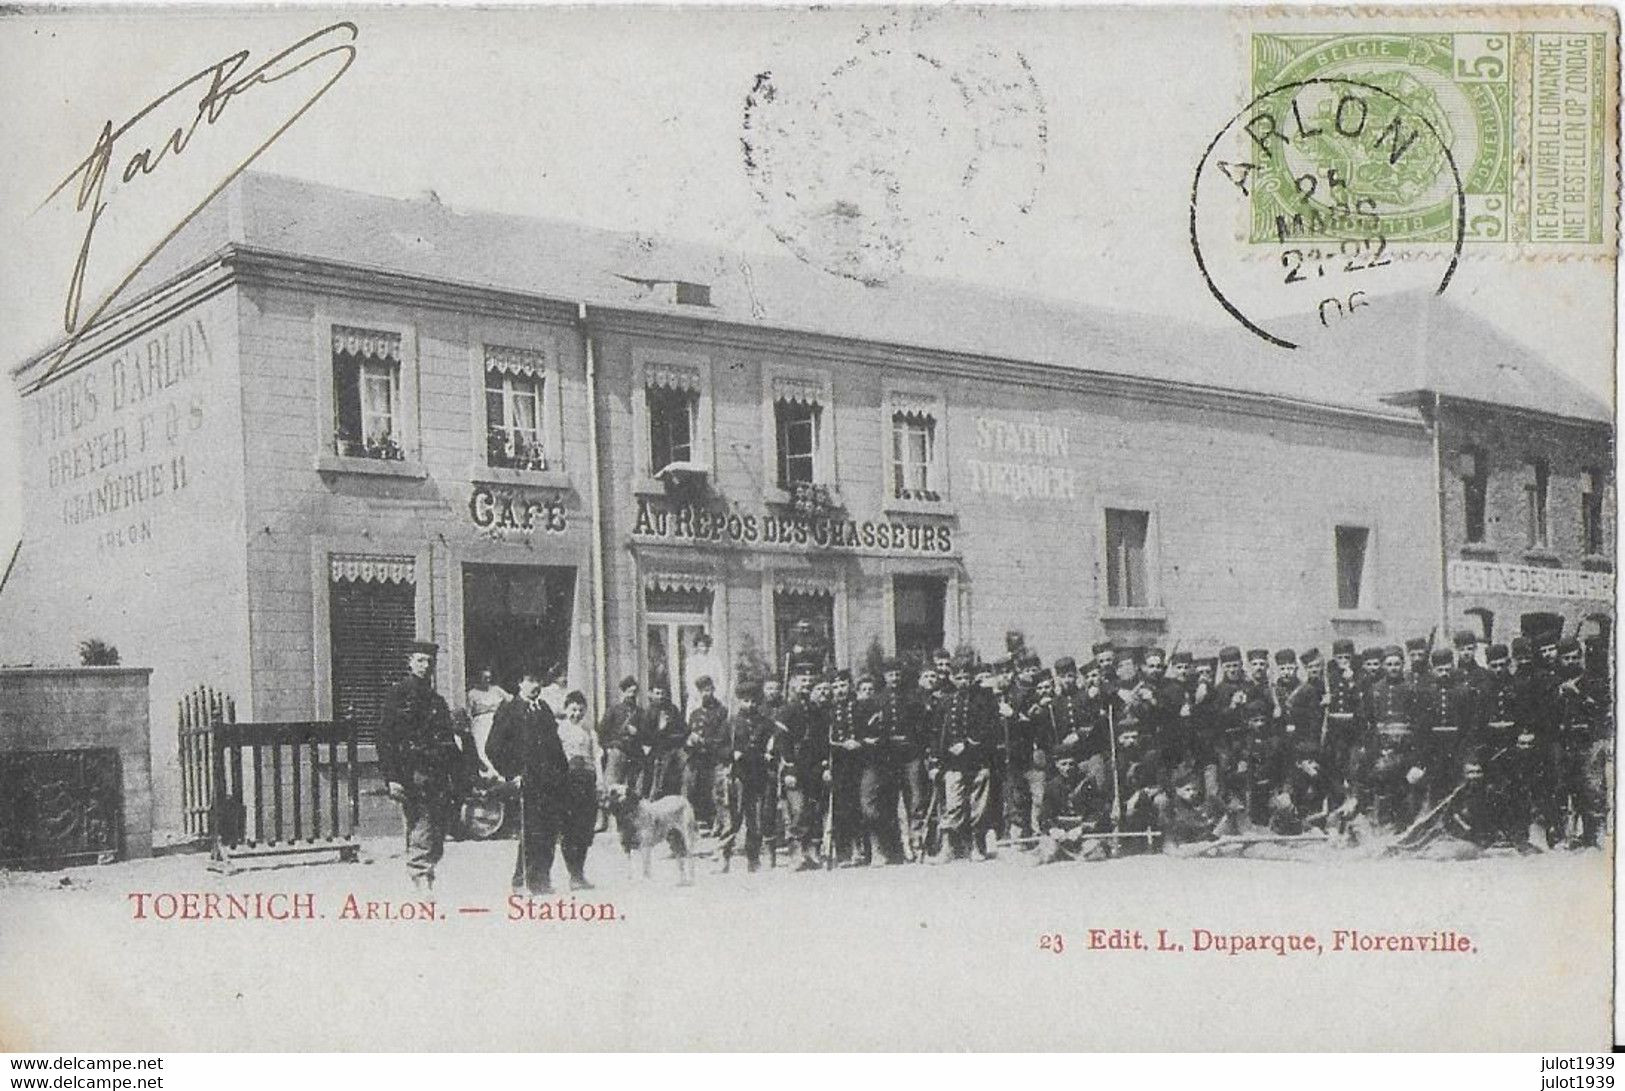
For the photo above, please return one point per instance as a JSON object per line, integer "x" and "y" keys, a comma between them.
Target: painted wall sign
{"x": 1487, "y": 578}
{"x": 114, "y": 435}
{"x": 721, "y": 525}
{"x": 1021, "y": 460}
{"x": 501, "y": 510}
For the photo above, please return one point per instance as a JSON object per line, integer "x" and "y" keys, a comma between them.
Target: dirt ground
{"x": 911, "y": 957}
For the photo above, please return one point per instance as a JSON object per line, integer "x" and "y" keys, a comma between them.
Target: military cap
{"x": 1568, "y": 646}
{"x": 963, "y": 663}
{"x": 1521, "y": 647}
{"x": 1208, "y": 661}
{"x": 1066, "y": 665}
{"x": 749, "y": 691}
{"x": 1497, "y": 653}
{"x": 1306, "y": 746}
{"x": 704, "y": 682}
{"x": 1442, "y": 657}
{"x": 867, "y": 677}
{"x": 1286, "y": 655}
{"x": 1029, "y": 661}
{"x": 842, "y": 675}
{"x": 1003, "y": 665}
{"x": 1342, "y": 646}
{"x": 1230, "y": 654}
{"x": 1310, "y": 656}
{"x": 424, "y": 647}
{"x": 1465, "y": 638}
{"x": 1416, "y": 644}
{"x": 658, "y": 681}
{"x": 1258, "y": 653}
{"x": 1548, "y": 639}
{"x": 889, "y": 664}
{"x": 941, "y": 653}
{"x": 1155, "y": 653}
{"x": 1179, "y": 657}
{"x": 1393, "y": 651}
{"x": 1254, "y": 710}
{"x": 1101, "y": 646}
{"x": 627, "y": 682}
{"x": 1373, "y": 652}
{"x": 1187, "y": 774}
{"x": 1065, "y": 749}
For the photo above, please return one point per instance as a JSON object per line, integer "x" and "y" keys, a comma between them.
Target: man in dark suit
{"x": 524, "y": 745}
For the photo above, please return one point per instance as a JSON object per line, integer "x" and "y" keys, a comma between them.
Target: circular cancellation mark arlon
{"x": 1363, "y": 200}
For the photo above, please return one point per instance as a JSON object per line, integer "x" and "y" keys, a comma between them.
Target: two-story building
{"x": 324, "y": 424}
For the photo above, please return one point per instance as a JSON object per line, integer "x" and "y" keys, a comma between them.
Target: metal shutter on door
{"x": 373, "y": 626}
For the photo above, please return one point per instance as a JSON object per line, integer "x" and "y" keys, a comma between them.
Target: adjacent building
{"x": 326, "y": 424}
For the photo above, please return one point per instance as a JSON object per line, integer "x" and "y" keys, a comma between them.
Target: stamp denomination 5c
{"x": 1523, "y": 114}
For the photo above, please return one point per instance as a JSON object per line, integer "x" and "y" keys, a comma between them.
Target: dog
{"x": 643, "y": 824}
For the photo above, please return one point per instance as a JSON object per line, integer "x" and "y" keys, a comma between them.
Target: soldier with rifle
{"x": 1452, "y": 717}
{"x": 844, "y": 777}
{"x": 904, "y": 719}
{"x": 1582, "y": 700}
{"x": 799, "y": 751}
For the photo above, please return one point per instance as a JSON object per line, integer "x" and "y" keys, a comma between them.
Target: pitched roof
{"x": 570, "y": 261}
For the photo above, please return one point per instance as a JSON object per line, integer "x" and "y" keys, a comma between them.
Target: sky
{"x": 1041, "y": 151}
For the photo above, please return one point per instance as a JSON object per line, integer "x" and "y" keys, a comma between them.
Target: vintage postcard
{"x": 773, "y": 528}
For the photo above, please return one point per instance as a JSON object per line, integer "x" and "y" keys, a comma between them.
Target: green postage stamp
{"x": 1522, "y": 116}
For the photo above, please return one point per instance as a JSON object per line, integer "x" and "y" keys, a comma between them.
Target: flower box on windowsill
{"x": 809, "y": 501}
{"x": 1542, "y": 557}
{"x": 1478, "y": 551}
{"x": 1597, "y": 562}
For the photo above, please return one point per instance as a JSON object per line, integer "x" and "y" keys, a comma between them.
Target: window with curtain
{"x": 515, "y": 382}
{"x": 367, "y": 392}
{"x": 913, "y": 456}
{"x": 673, "y": 415}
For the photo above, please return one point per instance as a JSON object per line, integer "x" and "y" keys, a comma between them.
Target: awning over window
{"x": 367, "y": 568}
{"x": 515, "y": 361}
{"x": 672, "y": 377}
{"x": 913, "y": 408}
{"x": 367, "y": 343}
{"x": 795, "y": 584}
{"x": 806, "y": 391}
{"x": 680, "y": 582}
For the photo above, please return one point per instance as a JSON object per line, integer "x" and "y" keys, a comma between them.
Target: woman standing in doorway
{"x": 484, "y": 698}
{"x": 580, "y": 744}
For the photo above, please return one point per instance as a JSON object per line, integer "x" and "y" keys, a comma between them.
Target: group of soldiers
{"x": 948, "y": 758}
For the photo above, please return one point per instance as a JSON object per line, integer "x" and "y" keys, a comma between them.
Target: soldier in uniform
{"x": 746, "y": 758}
{"x": 878, "y": 726}
{"x": 1467, "y": 667}
{"x": 1174, "y": 712}
{"x": 419, "y": 754}
{"x": 1105, "y": 657}
{"x": 1452, "y": 717}
{"x": 1416, "y": 657}
{"x": 1258, "y": 770}
{"x": 964, "y": 721}
{"x": 772, "y": 696}
{"x": 1370, "y": 667}
{"x": 525, "y": 745}
{"x": 1304, "y": 709}
{"x": 799, "y": 761}
{"x": 1343, "y": 714}
{"x": 844, "y": 781}
{"x": 1396, "y": 772}
{"x": 1206, "y": 725}
{"x": 808, "y": 653}
{"x": 1230, "y": 696}
{"x": 903, "y": 722}
{"x": 1582, "y": 746}
{"x": 705, "y": 779}
{"x": 1286, "y": 680}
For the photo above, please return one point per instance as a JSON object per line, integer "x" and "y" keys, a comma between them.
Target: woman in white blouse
{"x": 581, "y": 751}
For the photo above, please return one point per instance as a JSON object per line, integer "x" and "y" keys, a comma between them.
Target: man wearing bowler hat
{"x": 419, "y": 753}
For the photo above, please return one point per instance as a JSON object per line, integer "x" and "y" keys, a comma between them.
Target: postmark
{"x": 1351, "y": 172}
{"x": 1522, "y": 112}
{"x": 918, "y": 150}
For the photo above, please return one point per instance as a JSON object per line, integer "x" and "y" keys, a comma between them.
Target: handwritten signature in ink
{"x": 220, "y": 83}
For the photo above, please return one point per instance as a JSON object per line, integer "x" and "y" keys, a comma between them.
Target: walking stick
{"x": 925, "y": 827}
{"x": 524, "y": 856}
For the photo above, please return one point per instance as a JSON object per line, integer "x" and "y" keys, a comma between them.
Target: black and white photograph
{"x": 802, "y": 529}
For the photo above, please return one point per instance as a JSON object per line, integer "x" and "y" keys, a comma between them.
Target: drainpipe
{"x": 1439, "y": 518}
{"x": 600, "y": 641}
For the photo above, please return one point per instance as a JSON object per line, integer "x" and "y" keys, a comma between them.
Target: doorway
{"x": 517, "y": 618}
